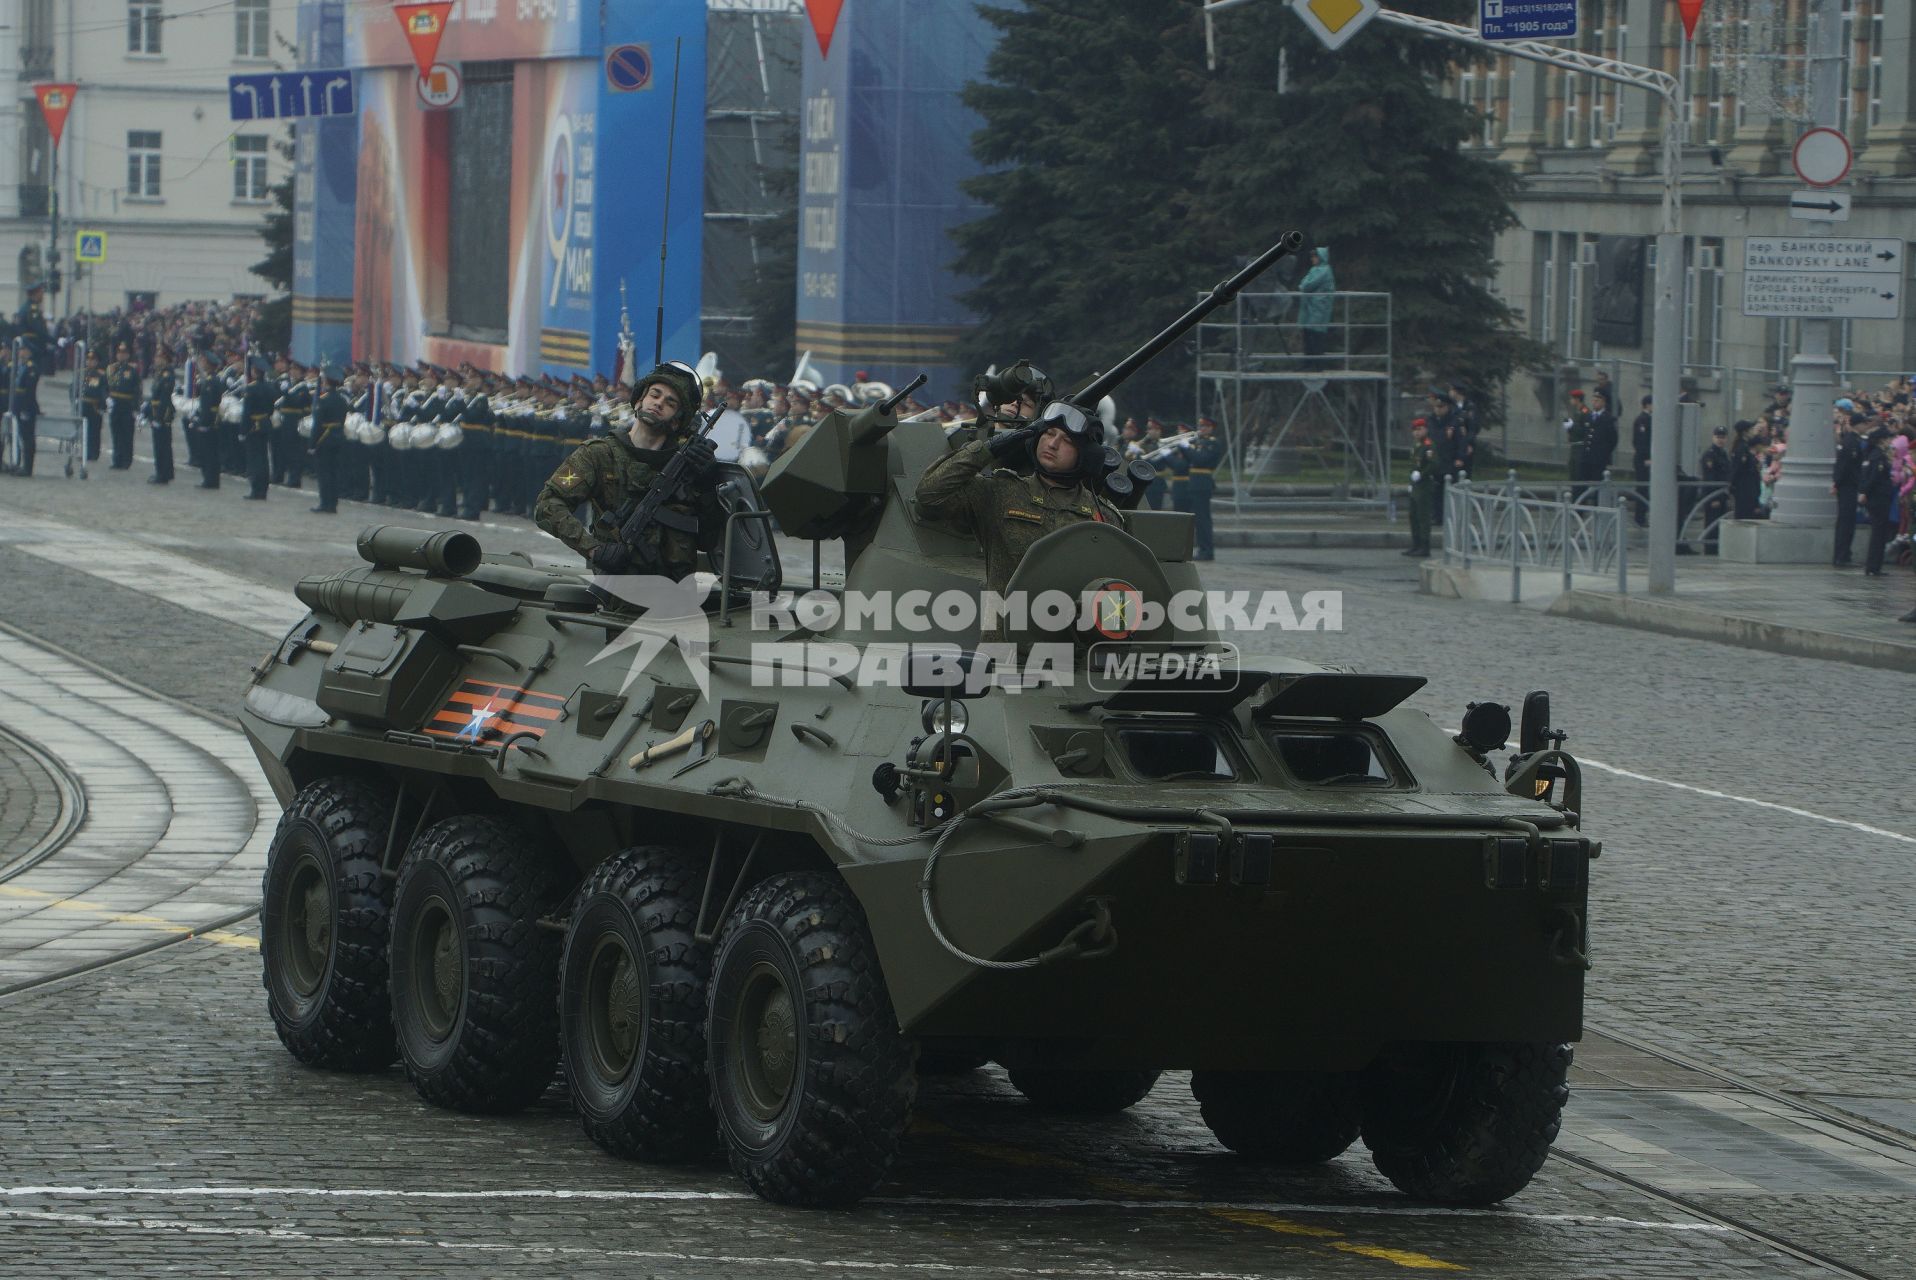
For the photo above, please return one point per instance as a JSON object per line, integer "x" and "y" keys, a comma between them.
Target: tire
{"x": 325, "y": 908}
{"x": 1083, "y": 1093}
{"x": 1284, "y": 1117}
{"x": 632, "y": 1005}
{"x": 1465, "y": 1124}
{"x": 474, "y": 977}
{"x": 812, "y": 1081}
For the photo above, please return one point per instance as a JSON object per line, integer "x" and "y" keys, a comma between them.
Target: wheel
{"x": 324, "y": 912}
{"x": 1083, "y": 1093}
{"x": 812, "y": 1080}
{"x": 948, "y": 1062}
{"x": 1286, "y": 1117}
{"x": 632, "y": 997}
{"x": 1465, "y": 1124}
{"x": 474, "y": 976}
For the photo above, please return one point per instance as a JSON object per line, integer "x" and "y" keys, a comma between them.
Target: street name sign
{"x": 1820, "y": 206}
{"x": 1823, "y": 279}
{"x": 288, "y": 95}
{"x": 1526, "y": 19}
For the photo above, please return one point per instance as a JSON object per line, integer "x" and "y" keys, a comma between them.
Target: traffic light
{"x": 53, "y": 281}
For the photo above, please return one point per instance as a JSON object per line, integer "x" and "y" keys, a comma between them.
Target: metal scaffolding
{"x": 1287, "y": 412}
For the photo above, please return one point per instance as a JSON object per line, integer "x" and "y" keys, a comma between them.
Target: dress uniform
{"x": 24, "y": 390}
{"x": 256, "y": 429}
{"x": 209, "y": 427}
{"x": 475, "y": 451}
{"x": 289, "y": 447}
{"x": 92, "y": 404}
{"x": 123, "y": 397}
{"x": 1714, "y": 468}
{"x": 1177, "y": 471}
{"x": 1877, "y": 485}
{"x": 1204, "y": 454}
{"x": 159, "y": 418}
{"x": 329, "y": 433}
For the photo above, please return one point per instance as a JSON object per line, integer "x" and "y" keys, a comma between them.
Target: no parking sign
{"x": 628, "y": 68}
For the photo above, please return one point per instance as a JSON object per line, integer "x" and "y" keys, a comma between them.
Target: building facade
{"x": 1587, "y": 151}
{"x": 148, "y": 156}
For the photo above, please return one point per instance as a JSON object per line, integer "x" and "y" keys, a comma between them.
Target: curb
{"x": 1746, "y": 633}
{"x": 1301, "y": 538}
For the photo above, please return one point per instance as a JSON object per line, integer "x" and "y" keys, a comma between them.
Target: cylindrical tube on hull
{"x": 446, "y": 553}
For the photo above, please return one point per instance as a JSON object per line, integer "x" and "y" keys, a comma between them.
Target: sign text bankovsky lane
{"x": 1838, "y": 279}
{"x": 283, "y": 95}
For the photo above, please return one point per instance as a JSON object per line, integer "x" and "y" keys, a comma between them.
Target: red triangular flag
{"x": 423, "y": 25}
{"x": 1690, "y": 11}
{"x": 55, "y": 101}
{"x": 824, "y": 16}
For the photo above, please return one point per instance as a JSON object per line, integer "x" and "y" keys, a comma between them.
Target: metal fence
{"x": 1505, "y": 525}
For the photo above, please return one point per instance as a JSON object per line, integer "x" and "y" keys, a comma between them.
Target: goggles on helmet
{"x": 1075, "y": 422}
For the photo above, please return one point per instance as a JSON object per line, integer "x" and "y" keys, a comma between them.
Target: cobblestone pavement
{"x": 1751, "y": 911}
{"x": 30, "y": 796}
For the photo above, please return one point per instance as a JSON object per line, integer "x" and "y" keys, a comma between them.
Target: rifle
{"x": 673, "y": 484}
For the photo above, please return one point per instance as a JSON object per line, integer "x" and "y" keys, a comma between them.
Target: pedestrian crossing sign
{"x": 89, "y": 246}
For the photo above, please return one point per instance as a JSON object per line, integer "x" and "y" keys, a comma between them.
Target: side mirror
{"x": 1534, "y": 735}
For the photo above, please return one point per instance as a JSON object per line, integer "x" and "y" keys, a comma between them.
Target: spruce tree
{"x": 273, "y": 327}
{"x": 1090, "y": 140}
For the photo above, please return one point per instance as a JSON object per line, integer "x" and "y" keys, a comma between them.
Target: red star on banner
{"x": 824, "y": 16}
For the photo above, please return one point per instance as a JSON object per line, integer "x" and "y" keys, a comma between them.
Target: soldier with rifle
{"x": 651, "y": 485}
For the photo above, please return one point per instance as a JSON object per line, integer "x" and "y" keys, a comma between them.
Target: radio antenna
{"x": 671, "y": 137}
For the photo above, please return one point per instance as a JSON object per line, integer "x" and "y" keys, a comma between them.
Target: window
{"x": 252, "y": 28}
{"x": 143, "y": 164}
{"x": 249, "y": 167}
{"x": 143, "y": 18}
{"x": 479, "y": 206}
{"x": 1333, "y": 757}
{"x": 1579, "y": 255}
{"x": 1543, "y": 310}
{"x": 1703, "y": 304}
{"x": 1166, "y": 754}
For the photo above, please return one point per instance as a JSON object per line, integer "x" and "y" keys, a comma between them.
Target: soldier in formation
{"x": 1424, "y": 488}
{"x": 122, "y": 397}
{"x": 21, "y": 390}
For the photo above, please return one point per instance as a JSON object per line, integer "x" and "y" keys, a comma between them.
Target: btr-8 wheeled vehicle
{"x": 747, "y": 890}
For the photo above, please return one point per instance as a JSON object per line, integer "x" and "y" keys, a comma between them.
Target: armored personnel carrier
{"x": 745, "y": 890}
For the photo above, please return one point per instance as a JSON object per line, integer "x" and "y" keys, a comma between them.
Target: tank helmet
{"x": 684, "y": 381}
{"x": 1085, "y": 430}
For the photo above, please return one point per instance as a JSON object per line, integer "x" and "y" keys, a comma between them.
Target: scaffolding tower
{"x": 1300, "y": 404}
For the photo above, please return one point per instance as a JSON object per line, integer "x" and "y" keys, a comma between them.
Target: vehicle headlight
{"x": 935, "y": 720}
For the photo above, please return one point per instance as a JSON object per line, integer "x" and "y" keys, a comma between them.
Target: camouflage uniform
{"x": 1007, "y": 511}
{"x": 610, "y": 472}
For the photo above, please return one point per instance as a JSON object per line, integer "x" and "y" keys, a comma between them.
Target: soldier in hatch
{"x": 620, "y": 467}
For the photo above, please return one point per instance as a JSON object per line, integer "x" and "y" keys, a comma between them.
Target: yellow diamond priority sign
{"x": 1335, "y": 21}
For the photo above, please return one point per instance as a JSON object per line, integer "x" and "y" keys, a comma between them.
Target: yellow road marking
{"x": 136, "y": 919}
{"x": 1402, "y": 1257}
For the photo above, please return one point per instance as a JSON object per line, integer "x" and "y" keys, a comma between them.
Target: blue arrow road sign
{"x": 285, "y": 95}
{"x": 1527, "y": 19}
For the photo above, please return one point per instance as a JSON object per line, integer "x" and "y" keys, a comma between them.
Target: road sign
{"x": 288, "y": 95}
{"x": 89, "y": 246}
{"x": 1526, "y": 19}
{"x": 424, "y": 25}
{"x": 1820, "y": 206}
{"x": 1822, "y": 157}
{"x": 1335, "y": 21}
{"x": 628, "y": 68}
{"x": 1823, "y": 279}
{"x": 55, "y": 101}
{"x": 441, "y": 86}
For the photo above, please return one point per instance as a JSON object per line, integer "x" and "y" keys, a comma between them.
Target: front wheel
{"x": 1083, "y": 1093}
{"x": 1466, "y": 1124}
{"x": 812, "y": 1080}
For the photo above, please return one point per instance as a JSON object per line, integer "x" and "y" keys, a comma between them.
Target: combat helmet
{"x": 684, "y": 381}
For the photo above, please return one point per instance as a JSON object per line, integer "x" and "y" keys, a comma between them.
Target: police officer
{"x": 1423, "y": 487}
{"x": 123, "y": 395}
{"x": 1576, "y": 429}
{"x": 24, "y": 387}
{"x": 1640, "y": 457}
{"x": 1714, "y": 469}
{"x": 92, "y": 402}
{"x": 983, "y": 488}
{"x": 159, "y": 418}
{"x": 256, "y": 427}
{"x": 618, "y": 468}
{"x": 1877, "y": 485}
{"x": 1847, "y": 477}
{"x": 1204, "y": 454}
{"x": 329, "y": 434}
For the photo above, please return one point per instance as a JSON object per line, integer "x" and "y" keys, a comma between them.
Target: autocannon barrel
{"x": 359, "y": 595}
{"x": 446, "y": 553}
